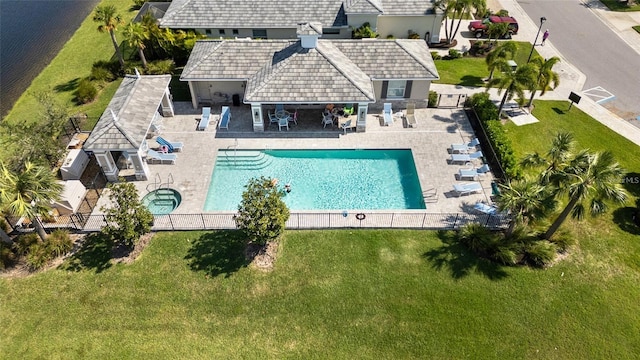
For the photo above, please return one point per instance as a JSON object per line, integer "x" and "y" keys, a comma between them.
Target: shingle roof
{"x": 407, "y": 7}
{"x": 156, "y": 9}
{"x": 363, "y": 6}
{"x": 336, "y": 70}
{"x": 126, "y": 120}
{"x": 192, "y": 14}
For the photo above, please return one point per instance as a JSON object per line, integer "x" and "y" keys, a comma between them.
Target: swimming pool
{"x": 162, "y": 201}
{"x": 320, "y": 179}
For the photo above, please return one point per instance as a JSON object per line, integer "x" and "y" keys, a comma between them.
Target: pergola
{"x": 139, "y": 103}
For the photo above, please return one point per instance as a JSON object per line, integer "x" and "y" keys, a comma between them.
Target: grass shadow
{"x": 631, "y": 183}
{"x": 559, "y": 111}
{"x": 459, "y": 261}
{"x": 218, "y": 253}
{"x": 94, "y": 254}
{"x": 624, "y": 218}
{"x": 470, "y": 80}
{"x": 70, "y": 85}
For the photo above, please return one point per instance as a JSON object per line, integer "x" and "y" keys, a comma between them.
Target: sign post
{"x": 574, "y": 98}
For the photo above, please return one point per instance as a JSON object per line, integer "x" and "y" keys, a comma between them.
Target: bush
{"x": 7, "y": 256}
{"x": 505, "y": 255}
{"x": 413, "y": 35}
{"x": 476, "y": 237}
{"x": 59, "y": 242}
{"x": 503, "y": 13}
{"x": 563, "y": 241}
{"x": 435, "y": 55}
{"x": 105, "y": 70}
{"x": 540, "y": 253}
{"x": 454, "y": 54}
{"x": 38, "y": 255}
{"x": 129, "y": 219}
{"x": 433, "y": 99}
{"x": 390, "y": 37}
{"x": 25, "y": 242}
{"x": 160, "y": 67}
{"x": 86, "y": 92}
{"x": 4, "y": 225}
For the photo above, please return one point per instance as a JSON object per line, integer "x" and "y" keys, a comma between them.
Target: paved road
{"x": 596, "y": 50}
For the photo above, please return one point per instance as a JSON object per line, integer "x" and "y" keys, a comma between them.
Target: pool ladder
{"x": 235, "y": 151}
{"x": 157, "y": 182}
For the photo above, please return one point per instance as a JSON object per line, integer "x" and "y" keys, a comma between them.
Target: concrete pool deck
{"x": 436, "y": 130}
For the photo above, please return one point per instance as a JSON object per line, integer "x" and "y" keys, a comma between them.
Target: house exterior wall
{"x": 419, "y": 95}
{"x": 355, "y": 21}
{"x": 217, "y": 91}
{"x": 399, "y": 26}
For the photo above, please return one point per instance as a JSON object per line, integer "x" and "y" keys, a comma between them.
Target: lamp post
{"x": 542, "y": 20}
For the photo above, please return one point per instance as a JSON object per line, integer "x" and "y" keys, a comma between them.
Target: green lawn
{"x": 637, "y": 28}
{"x": 372, "y": 294}
{"x": 617, "y": 5}
{"x": 469, "y": 71}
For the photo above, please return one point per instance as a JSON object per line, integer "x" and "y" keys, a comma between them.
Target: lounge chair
{"x": 154, "y": 155}
{"x": 473, "y": 173}
{"x": 172, "y": 146}
{"x": 485, "y": 208}
{"x": 204, "y": 118}
{"x": 410, "y": 115}
{"x": 467, "y": 188}
{"x": 387, "y": 114}
{"x": 283, "y": 122}
{"x": 464, "y": 148}
{"x": 225, "y": 118}
{"x": 464, "y": 158}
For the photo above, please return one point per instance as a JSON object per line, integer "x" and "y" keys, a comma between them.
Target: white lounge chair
{"x": 467, "y": 188}
{"x": 464, "y": 158}
{"x": 225, "y": 118}
{"x": 410, "y": 115}
{"x": 172, "y": 146}
{"x": 204, "y": 118}
{"x": 162, "y": 157}
{"x": 485, "y": 208}
{"x": 387, "y": 114}
{"x": 465, "y": 148}
{"x": 473, "y": 173}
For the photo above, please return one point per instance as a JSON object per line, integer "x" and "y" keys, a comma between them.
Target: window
{"x": 259, "y": 33}
{"x": 221, "y": 31}
{"x": 207, "y": 31}
{"x": 396, "y": 88}
{"x": 330, "y": 31}
{"x": 234, "y": 31}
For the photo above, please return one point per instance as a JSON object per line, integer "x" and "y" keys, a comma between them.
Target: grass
{"x": 469, "y": 71}
{"x": 617, "y": 5}
{"x": 377, "y": 294}
{"x": 637, "y": 28}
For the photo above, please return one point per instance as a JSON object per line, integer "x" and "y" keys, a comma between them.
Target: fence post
{"x": 392, "y": 214}
{"x": 424, "y": 218}
{"x": 171, "y": 222}
{"x": 455, "y": 221}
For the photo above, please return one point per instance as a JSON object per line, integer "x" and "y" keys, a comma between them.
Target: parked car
{"x": 480, "y": 27}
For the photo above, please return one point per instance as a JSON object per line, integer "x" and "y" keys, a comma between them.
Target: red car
{"x": 479, "y": 28}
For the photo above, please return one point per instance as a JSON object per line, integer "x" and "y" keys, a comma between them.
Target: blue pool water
{"x": 162, "y": 201}
{"x": 320, "y": 179}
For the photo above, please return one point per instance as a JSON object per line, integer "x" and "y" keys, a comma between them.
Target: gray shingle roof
{"x": 363, "y": 6}
{"x": 134, "y": 106}
{"x": 192, "y": 14}
{"x": 337, "y": 70}
{"x": 407, "y": 7}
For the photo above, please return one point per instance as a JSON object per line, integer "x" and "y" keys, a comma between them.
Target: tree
{"x": 526, "y": 201}
{"x": 28, "y": 192}
{"x": 136, "y": 34}
{"x": 499, "y": 55}
{"x": 109, "y": 20}
{"x": 262, "y": 214}
{"x": 127, "y": 218}
{"x": 589, "y": 176}
{"x": 457, "y": 9}
{"x": 512, "y": 82}
{"x": 546, "y": 76}
{"x": 554, "y": 161}
{"x": 364, "y": 31}
{"x": 497, "y": 30}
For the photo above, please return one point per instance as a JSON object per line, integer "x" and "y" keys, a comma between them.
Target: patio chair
{"x": 204, "y": 118}
{"x": 465, "y": 158}
{"x": 410, "y": 115}
{"x": 272, "y": 118}
{"x": 294, "y": 118}
{"x": 473, "y": 173}
{"x": 283, "y": 122}
{"x": 154, "y": 155}
{"x": 464, "y": 148}
{"x": 346, "y": 125}
{"x": 348, "y": 110}
{"x": 279, "y": 107}
{"x": 485, "y": 208}
{"x": 387, "y": 113}
{"x": 225, "y": 118}
{"x": 172, "y": 146}
{"x": 467, "y": 188}
{"x": 327, "y": 120}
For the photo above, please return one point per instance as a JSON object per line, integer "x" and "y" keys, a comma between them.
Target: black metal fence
{"x": 325, "y": 220}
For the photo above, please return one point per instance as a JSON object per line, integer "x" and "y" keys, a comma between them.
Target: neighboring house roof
{"x": 156, "y": 9}
{"x": 363, "y": 6}
{"x": 336, "y": 70}
{"x": 126, "y": 120}
{"x": 407, "y": 7}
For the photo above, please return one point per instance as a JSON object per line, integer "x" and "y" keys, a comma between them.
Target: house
{"x": 310, "y": 71}
{"x": 137, "y": 106}
{"x": 279, "y": 19}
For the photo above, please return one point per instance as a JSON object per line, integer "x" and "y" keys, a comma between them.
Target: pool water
{"x": 162, "y": 201}
{"x": 320, "y": 179}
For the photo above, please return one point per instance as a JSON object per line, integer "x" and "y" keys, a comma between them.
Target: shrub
{"x": 505, "y": 255}
{"x": 563, "y": 241}
{"x": 24, "y": 242}
{"x": 86, "y": 92}
{"x": 160, "y": 67}
{"x": 38, "y": 255}
{"x": 129, "y": 218}
{"x": 7, "y": 256}
{"x": 433, "y": 99}
{"x": 390, "y": 37}
{"x": 59, "y": 242}
{"x": 503, "y": 13}
{"x": 105, "y": 70}
{"x": 476, "y": 237}
{"x": 454, "y": 54}
{"x": 435, "y": 55}
{"x": 4, "y": 225}
{"x": 413, "y": 35}
{"x": 540, "y": 253}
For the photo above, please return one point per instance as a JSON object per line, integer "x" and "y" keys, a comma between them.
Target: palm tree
{"x": 497, "y": 30}
{"x": 589, "y": 176}
{"x": 501, "y": 53}
{"x": 513, "y": 82}
{"x": 136, "y": 34}
{"x": 525, "y": 200}
{"x": 546, "y": 76}
{"x": 457, "y": 9}
{"x": 555, "y": 160}
{"x": 29, "y": 192}
{"x": 109, "y": 20}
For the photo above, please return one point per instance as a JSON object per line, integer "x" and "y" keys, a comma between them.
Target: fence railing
{"x": 301, "y": 220}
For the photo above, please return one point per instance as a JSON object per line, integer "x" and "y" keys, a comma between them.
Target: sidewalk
{"x": 571, "y": 79}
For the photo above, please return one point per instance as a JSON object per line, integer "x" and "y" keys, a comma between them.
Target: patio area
{"x": 429, "y": 141}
